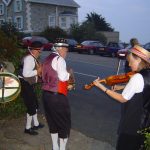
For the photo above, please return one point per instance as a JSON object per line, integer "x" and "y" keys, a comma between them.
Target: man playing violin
{"x": 135, "y": 98}
{"x": 55, "y": 76}
{"x": 29, "y": 72}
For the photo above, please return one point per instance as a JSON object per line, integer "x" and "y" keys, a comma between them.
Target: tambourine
{"x": 9, "y": 91}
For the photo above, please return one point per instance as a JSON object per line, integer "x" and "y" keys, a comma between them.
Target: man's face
{"x": 36, "y": 52}
{"x": 63, "y": 51}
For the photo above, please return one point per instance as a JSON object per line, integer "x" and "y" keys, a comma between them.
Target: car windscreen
{"x": 87, "y": 43}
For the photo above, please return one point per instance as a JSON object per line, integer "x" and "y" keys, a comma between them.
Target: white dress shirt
{"x": 29, "y": 67}
{"x": 59, "y": 65}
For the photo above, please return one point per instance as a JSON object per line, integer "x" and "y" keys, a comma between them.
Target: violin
{"x": 112, "y": 80}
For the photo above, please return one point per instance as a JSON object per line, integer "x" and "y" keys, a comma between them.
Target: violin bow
{"x": 118, "y": 67}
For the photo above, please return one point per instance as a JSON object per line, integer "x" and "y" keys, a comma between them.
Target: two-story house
{"x": 33, "y": 16}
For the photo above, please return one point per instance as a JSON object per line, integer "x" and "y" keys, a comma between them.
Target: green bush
{"x": 8, "y": 46}
{"x": 146, "y": 134}
{"x": 12, "y": 109}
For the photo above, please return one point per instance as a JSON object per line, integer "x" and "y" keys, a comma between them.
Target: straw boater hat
{"x": 141, "y": 52}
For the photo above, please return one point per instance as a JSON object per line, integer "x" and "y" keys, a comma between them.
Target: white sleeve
{"x": 59, "y": 64}
{"x": 28, "y": 67}
{"x": 135, "y": 85}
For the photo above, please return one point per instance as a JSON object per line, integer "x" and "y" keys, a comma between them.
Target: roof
{"x": 70, "y": 3}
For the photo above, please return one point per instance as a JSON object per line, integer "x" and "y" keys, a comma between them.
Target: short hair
{"x": 134, "y": 42}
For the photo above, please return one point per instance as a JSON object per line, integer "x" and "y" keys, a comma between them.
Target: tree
{"x": 52, "y": 33}
{"x": 76, "y": 32}
{"x": 99, "y": 22}
{"x": 88, "y": 30}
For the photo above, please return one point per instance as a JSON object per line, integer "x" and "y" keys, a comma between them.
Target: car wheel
{"x": 91, "y": 51}
{"x": 113, "y": 54}
{"x": 79, "y": 52}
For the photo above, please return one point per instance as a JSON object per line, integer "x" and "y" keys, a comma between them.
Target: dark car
{"x": 147, "y": 46}
{"x": 72, "y": 44}
{"x": 27, "y": 41}
{"x": 111, "y": 49}
{"x": 90, "y": 47}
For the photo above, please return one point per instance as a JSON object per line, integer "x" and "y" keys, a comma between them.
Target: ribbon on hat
{"x": 141, "y": 52}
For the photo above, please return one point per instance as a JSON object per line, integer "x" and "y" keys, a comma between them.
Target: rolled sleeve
{"x": 135, "y": 85}
{"x": 59, "y": 65}
{"x": 63, "y": 75}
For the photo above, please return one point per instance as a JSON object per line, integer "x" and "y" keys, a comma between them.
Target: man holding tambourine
{"x": 30, "y": 69}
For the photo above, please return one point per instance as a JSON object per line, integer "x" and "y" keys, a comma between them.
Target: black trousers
{"x": 29, "y": 97}
{"x": 57, "y": 112}
{"x": 129, "y": 142}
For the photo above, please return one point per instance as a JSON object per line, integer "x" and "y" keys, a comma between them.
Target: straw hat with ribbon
{"x": 141, "y": 52}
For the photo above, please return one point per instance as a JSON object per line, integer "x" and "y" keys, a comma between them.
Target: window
{"x": 72, "y": 20}
{"x": 63, "y": 22}
{"x": 18, "y": 6}
{"x": 19, "y": 22}
{"x": 1, "y": 9}
{"x": 9, "y": 19}
{"x": 52, "y": 21}
{"x": 2, "y": 21}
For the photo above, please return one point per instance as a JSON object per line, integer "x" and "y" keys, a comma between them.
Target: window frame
{"x": 21, "y": 17}
{"x": 2, "y": 21}
{"x": 53, "y": 24}
{"x": 16, "y": 8}
{"x": 61, "y": 22}
{"x": 2, "y": 10}
{"x": 10, "y": 19}
{"x": 72, "y": 20}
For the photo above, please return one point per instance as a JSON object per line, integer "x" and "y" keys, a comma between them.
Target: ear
{"x": 139, "y": 59}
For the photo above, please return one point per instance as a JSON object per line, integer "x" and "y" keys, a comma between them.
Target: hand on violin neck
{"x": 96, "y": 82}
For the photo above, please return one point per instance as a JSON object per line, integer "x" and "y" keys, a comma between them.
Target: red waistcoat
{"x": 50, "y": 78}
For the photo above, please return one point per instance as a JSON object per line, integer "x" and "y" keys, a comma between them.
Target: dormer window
{"x": 1, "y": 9}
{"x": 18, "y": 5}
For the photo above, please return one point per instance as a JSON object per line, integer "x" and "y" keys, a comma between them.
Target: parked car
{"x": 90, "y": 47}
{"x": 47, "y": 47}
{"x": 27, "y": 41}
{"x": 72, "y": 44}
{"x": 111, "y": 49}
{"x": 147, "y": 46}
{"x": 122, "y": 53}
